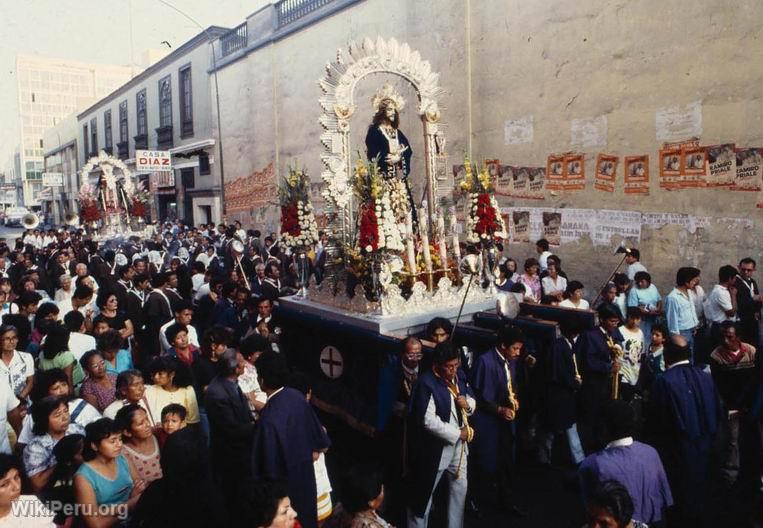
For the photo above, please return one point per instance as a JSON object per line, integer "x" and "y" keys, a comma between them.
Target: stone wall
{"x": 568, "y": 65}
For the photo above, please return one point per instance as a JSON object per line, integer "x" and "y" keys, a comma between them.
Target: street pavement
{"x": 10, "y": 233}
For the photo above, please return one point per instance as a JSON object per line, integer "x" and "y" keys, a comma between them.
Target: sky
{"x": 96, "y": 31}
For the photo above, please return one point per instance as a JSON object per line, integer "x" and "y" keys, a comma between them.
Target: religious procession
{"x": 340, "y": 266}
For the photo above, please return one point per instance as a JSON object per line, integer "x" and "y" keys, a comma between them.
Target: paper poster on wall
{"x": 493, "y": 169}
{"x": 520, "y": 226}
{"x": 670, "y": 168}
{"x": 519, "y": 182}
{"x": 536, "y": 183}
{"x": 606, "y": 171}
{"x": 636, "y": 174}
{"x": 556, "y": 173}
{"x": 693, "y": 167}
{"x": 552, "y": 224}
{"x": 749, "y": 169}
{"x": 575, "y": 173}
{"x": 577, "y": 224}
{"x": 721, "y": 165}
{"x": 620, "y": 224}
{"x": 503, "y": 183}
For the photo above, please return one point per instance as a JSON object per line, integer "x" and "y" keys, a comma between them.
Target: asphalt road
{"x": 10, "y": 233}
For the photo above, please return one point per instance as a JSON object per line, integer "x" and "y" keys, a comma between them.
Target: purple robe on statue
{"x": 286, "y": 436}
{"x": 639, "y": 469}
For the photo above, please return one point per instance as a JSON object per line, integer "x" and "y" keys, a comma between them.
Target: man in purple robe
{"x": 288, "y": 438}
{"x": 635, "y": 465}
{"x": 684, "y": 416}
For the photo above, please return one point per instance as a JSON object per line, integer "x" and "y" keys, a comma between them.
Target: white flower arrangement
{"x": 503, "y": 232}
{"x": 389, "y": 230}
{"x": 102, "y": 158}
{"x": 307, "y": 225}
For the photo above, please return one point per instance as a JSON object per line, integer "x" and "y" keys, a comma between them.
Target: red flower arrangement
{"x": 138, "y": 208}
{"x": 487, "y": 220}
{"x": 90, "y": 212}
{"x": 368, "y": 237}
{"x": 290, "y": 220}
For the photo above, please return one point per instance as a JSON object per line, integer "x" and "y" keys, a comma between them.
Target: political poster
{"x": 619, "y": 224}
{"x": 556, "y": 173}
{"x": 636, "y": 180}
{"x": 693, "y": 167}
{"x": 552, "y": 225}
{"x": 519, "y": 182}
{"x": 536, "y": 183}
{"x": 721, "y": 165}
{"x": 505, "y": 180}
{"x": 575, "y": 173}
{"x": 606, "y": 172}
{"x": 670, "y": 168}
{"x": 749, "y": 171}
{"x": 520, "y": 226}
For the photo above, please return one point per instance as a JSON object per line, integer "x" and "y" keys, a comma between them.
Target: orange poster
{"x": 670, "y": 168}
{"x": 606, "y": 172}
{"x": 637, "y": 174}
{"x": 693, "y": 167}
{"x": 575, "y": 177}
{"x": 556, "y": 173}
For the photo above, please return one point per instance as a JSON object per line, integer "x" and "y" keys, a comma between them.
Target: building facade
{"x": 49, "y": 90}
{"x": 166, "y": 107}
{"x": 61, "y": 157}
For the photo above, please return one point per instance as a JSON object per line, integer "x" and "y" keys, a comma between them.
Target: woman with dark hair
{"x": 268, "y": 505}
{"x": 56, "y": 354}
{"x": 140, "y": 445}
{"x": 610, "y": 506}
{"x": 131, "y": 389}
{"x": 99, "y": 387}
{"x": 46, "y": 313}
{"x": 531, "y": 280}
{"x": 365, "y": 495}
{"x": 574, "y": 296}
{"x": 171, "y": 385}
{"x": 214, "y": 342}
{"x": 109, "y": 345}
{"x": 181, "y": 347}
{"x": 68, "y": 453}
{"x": 503, "y": 282}
{"x": 10, "y": 492}
{"x": 15, "y": 365}
{"x": 105, "y": 478}
{"x": 51, "y": 423}
{"x": 108, "y": 303}
{"x": 54, "y": 382}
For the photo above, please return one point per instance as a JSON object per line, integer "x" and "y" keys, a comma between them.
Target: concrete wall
{"x": 556, "y": 61}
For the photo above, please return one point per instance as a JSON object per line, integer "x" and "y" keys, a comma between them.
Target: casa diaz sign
{"x": 153, "y": 160}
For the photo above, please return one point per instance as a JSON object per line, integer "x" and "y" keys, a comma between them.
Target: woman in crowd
{"x": 268, "y": 506}
{"x": 531, "y": 280}
{"x": 10, "y": 493}
{"x": 214, "y": 342}
{"x": 503, "y": 282}
{"x": 574, "y": 296}
{"x": 56, "y": 354}
{"x": 16, "y": 366}
{"x": 181, "y": 349}
{"x": 140, "y": 445}
{"x": 252, "y": 348}
{"x": 610, "y": 506}
{"x": 51, "y": 423}
{"x": 170, "y": 385}
{"x": 65, "y": 292}
{"x": 112, "y": 313}
{"x": 646, "y": 297}
{"x": 553, "y": 284}
{"x": 99, "y": 388}
{"x": 105, "y": 478}
{"x": 109, "y": 345}
{"x": 55, "y": 382}
{"x": 47, "y": 313}
{"x": 365, "y": 495}
{"x": 511, "y": 269}
{"x": 131, "y": 389}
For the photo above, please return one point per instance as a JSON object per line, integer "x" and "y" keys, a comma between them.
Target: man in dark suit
{"x": 231, "y": 426}
{"x": 158, "y": 310}
{"x": 258, "y": 281}
{"x": 748, "y": 302}
{"x": 684, "y": 418}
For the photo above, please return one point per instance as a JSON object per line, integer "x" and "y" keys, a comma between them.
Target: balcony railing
{"x": 141, "y": 142}
{"x": 233, "y": 40}
{"x": 292, "y": 10}
{"x": 123, "y": 150}
{"x": 164, "y": 137}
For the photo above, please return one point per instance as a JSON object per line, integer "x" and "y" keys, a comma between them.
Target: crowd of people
{"x": 146, "y": 384}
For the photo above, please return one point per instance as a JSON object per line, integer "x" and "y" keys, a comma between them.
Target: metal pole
{"x": 217, "y": 102}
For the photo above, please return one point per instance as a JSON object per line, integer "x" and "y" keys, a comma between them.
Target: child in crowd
{"x": 633, "y": 346}
{"x": 173, "y": 420}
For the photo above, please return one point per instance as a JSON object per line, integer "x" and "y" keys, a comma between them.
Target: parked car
{"x": 13, "y": 215}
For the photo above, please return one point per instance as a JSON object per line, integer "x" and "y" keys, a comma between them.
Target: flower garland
{"x": 88, "y": 204}
{"x": 378, "y": 224}
{"x": 484, "y": 222}
{"x": 298, "y": 226}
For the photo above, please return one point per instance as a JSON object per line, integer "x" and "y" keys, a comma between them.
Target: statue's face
{"x": 389, "y": 111}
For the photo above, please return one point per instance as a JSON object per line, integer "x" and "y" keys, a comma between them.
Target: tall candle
{"x": 411, "y": 255}
{"x": 456, "y": 248}
{"x": 427, "y": 255}
{"x": 409, "y": 224}
{"x": 443, "y": 253}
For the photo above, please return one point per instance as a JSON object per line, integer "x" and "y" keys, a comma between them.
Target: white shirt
{"x": 551, "y": 287}
{"x": 450, "y": 432}
{"x": 8, "y": 402}
{"x": 196, "y": 281}
{"x": 193, "y": 336}
{"x": 635, "y": 268}
{"x": 64, "y": 307}
{"x": 717, "y": 303}
{"x": 568, "y": 304}
{"x": 30, "y": 513}
{"x": 543, "y": 260}
{"x": 620, "y": 442}
{"x": 87, "y": 415}
{"x": 203, "y": 292}
{"x": 80, "y": 343}
{"x": 17, "y": 372}
{"x": 633, "y": 350}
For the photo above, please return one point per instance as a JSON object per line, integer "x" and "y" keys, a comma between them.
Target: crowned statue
{"x": 111, "y": 197}
{"x": 385, "y": 142}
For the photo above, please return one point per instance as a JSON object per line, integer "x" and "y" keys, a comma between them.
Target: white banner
{"x": 153, "y": 160}
{"x": 52, "y": 179}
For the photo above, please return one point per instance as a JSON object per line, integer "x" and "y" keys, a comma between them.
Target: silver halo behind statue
{"x": 338, "y": 106}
